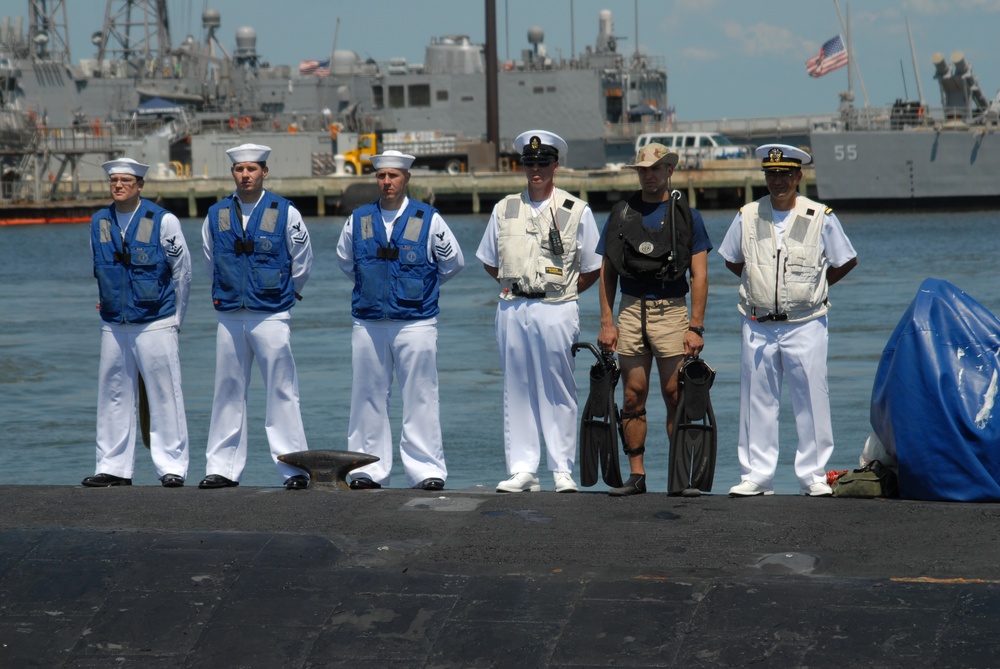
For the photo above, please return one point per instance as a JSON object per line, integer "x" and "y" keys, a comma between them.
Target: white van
{"x": 696, "y": 147}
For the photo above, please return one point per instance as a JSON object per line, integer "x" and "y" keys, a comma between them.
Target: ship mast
{"x": 136, "y": 32}
{"x": 48, "y": 31}
{"x": 916, "y": 70}
{"x": 851, "y": 58}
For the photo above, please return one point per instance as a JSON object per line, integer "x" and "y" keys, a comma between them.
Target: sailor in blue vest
{"x": 540, "y": 246}
{"x": 259, "y": 257}
{"x": 143, "y": 272}
{"x": 398, "y": 252}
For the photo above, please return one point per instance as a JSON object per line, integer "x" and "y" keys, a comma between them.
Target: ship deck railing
{"x": 915, "y": 118}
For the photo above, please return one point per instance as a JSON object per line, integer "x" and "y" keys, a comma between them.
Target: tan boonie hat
{"x": 653, "y": 154}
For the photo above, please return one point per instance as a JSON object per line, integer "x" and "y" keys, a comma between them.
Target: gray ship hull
{"x": 906, "y": 164}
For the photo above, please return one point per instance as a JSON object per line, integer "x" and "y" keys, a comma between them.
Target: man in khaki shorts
{"x": 652, "y": 243}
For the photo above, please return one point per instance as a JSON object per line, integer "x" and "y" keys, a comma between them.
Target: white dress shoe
{"x": 818, "y": 489}
{"x": 520, "y": 482}
{"x": 749, "y": 489}
{"x": 564, "y": 482}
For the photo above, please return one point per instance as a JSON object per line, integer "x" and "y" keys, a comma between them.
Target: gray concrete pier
{"x": 264, "y": 577}
{"x": 719, "y": 184}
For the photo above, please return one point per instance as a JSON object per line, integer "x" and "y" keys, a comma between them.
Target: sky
{"x": 725, "y": 58}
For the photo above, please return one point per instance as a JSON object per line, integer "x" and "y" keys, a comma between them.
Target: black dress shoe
{"x": 297, "y": 482}
{"x": 172, "y": 481}
{"x": 216, "y": 481}
{"x": 105, "y": 481}
{"x": 636, "y": 485}
{"x": 431, "y": 484}
{"x": 364, "y": 484}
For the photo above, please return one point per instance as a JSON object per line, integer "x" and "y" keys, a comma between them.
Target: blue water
{"x": 49, "y": 345}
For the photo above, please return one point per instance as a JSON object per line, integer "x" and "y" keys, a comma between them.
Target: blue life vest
{"x": 134, "y": 280}
{"x": 252, "y": 268}
{"x": 394, "y": 278}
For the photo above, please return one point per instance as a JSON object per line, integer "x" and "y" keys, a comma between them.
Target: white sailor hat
{"x": 125, "y": 166}
{"x": 781, "y": 157}
{"x": 655, "y": 153}
{"x": 392, "y": 159}
{"x": 249, "y": 153}
{"x": 539, "y": 143}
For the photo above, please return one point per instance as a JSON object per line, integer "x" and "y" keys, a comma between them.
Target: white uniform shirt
{"x": 296, "y": 241}
{"x": 441, "y": 244}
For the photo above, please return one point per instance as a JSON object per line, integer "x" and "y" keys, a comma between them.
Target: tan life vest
{"x": 528, "y": 264}
{"x": 786, "y": 284}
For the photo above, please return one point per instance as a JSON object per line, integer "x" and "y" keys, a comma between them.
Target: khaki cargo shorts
{"x": 666, "y": 323}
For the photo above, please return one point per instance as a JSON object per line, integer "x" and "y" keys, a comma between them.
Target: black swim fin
{"x": 694, "y": 442}
{"x": 598, "y": 422}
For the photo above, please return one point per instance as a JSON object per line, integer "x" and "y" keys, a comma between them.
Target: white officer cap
{"x": 653, "y": 154}
{"x": 392, "y": 159}
{"x": 541, "y": 143}
{"x": 125, "y": 166}
{"x": 249, "y": 153}
{"x": 781, "y": 157}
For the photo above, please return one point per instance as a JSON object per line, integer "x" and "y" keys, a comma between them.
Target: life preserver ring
{"x": 232, "y": 123}
{"x": 244, "y": 122}
{"x": 508, "y": 65}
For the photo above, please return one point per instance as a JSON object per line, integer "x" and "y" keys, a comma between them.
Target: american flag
{"x": 832, "y": 56}
{"x": 320, "y": 68}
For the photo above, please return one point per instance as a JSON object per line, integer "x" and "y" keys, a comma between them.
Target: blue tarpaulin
{"x": 934, "y": 394}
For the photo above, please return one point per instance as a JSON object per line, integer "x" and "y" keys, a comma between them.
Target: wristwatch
{"x": 698, "y": 330}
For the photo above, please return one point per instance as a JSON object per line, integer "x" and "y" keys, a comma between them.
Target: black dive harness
{"x": 654, "y": 257}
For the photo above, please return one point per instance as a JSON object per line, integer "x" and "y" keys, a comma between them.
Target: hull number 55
{"x": 845, "y": 151}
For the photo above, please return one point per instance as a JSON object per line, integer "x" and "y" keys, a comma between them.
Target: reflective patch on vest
{"x": 413, "y": 227}
{"x": 799, "y": 229}
{"x": 513, "y": 207}
{"x": 223, "y": 220}
{"x": 105, "y": 230}
{"x": 145, "y": 230}
{"x": 269, "y": 220}
{"x": 554, "y": 270}
{"x": 366, "y": 227}
{"x": 763, "y": 229}
{"x": 564, "y": 213}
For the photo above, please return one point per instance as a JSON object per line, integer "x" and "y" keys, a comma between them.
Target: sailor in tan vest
{"x": 540, "y": 246}
{"x": 787, "y": 251}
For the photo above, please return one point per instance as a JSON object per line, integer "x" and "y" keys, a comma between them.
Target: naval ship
{"x": 177, "y": 106}
{"x": 912, "y": 152}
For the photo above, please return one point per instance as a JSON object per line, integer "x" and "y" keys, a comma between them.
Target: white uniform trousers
{"x": 126, "y": 353}
{"x": 797, "y": 352}
{"x": 409, "y": 348}
{"x": 238, "y": 340}
{"x": 539, "y": 390}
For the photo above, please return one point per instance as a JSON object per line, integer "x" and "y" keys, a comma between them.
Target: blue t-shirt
{"x": 653, "y": 214}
